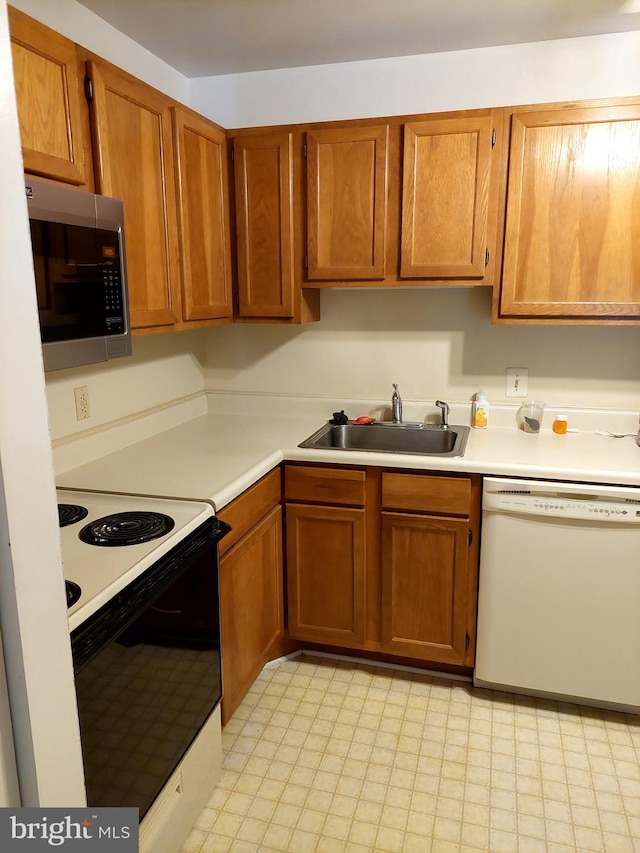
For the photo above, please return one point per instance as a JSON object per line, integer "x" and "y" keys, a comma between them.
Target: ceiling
{"x": 201, "y": 38}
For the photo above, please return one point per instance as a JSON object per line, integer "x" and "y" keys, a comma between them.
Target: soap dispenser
{"x": 480, "y": 411}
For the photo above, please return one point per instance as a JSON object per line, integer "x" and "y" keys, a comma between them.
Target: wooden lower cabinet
{"x": 251, "y": 589}
{"x": 424, "y": 582}
{"x": 396, "y": 575}
{"x": 378, "y": 561}
{"x": 326, "y": 574}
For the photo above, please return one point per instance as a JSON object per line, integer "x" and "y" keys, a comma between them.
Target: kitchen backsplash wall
{"x": 435, "y": 343}
{"x": 163, "y": 369}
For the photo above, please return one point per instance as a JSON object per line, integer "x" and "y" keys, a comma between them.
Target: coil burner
{"x": 126, "y": 528}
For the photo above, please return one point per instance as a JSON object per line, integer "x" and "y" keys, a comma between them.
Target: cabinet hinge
{"x": 486, "y": 257}
{"x": 306, "y": 262}
{"x": 233, "y": 154}
{"x": 467, "y": 642}
{"x": 470, "y": 537}
{"x": 88, "y": 89}
{"x": 304, "y": 150}
{"x": 493, "y": 137}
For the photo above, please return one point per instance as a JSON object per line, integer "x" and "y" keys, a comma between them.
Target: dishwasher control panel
{"x": 562, "y": 500}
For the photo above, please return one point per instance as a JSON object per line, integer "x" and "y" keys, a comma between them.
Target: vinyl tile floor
{"x": 326, "y": 755}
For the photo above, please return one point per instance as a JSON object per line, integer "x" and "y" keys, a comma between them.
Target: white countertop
{"x": 215, "y": 457}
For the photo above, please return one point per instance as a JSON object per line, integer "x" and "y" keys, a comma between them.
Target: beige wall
{"x": 163, "y": 369}
{"x": 436, "y": 344}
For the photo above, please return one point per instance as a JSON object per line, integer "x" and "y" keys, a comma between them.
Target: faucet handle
{"x": 444, "y": 408}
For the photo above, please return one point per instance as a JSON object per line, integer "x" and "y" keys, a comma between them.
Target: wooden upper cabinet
{"x": 347, "y": 188}
{"x": 263, "y": 167}
{"x": 446, "y": 197}
{"x": 572, "y": 234}
{"x": 48, "y": 85}
{"x": 203, "y": 217}
{"x": 133, "y": 159}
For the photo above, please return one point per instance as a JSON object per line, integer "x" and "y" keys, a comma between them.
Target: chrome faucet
{"x": 444, "y": 407}
{"x": 396, "y": 405}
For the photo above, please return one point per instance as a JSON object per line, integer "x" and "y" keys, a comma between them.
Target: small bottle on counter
{"x": 560, "y": 424}
{"x": 480, "y": 411}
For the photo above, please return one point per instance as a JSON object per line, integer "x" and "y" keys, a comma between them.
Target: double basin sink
{"x": 408, "y": 437}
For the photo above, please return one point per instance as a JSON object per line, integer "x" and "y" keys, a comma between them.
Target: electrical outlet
{"x": 82, "y": 402}
{"x": 517, "y": 381}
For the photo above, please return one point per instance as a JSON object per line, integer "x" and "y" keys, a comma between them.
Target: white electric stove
{"x": 145, "y": 641}
{"x": 103, "y": 571}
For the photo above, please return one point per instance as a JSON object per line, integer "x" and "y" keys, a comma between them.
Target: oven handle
{"x": 223, "y": 529}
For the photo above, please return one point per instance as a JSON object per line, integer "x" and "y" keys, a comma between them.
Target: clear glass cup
{"x": 529, "y": 416}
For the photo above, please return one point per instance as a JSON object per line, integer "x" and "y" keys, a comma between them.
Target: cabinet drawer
{"x": 247, "y": 509}
{"x": 448, "y": 495}
{"x": 324, "y": 485}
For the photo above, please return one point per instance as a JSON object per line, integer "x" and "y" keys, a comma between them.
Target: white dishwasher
{"x": 559, "y": 591}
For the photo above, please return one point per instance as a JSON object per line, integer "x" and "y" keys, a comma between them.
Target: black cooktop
{"x": 126, "y": 528}
{"x": 73, "y": 592}
{"x": 70, "y": 513}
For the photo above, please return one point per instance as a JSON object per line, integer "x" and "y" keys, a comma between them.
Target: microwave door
{"x": 74, "y": 301}
{"x": 80, "y": 275}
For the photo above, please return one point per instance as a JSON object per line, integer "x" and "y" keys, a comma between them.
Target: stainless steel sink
{"x": 407, "y": 437}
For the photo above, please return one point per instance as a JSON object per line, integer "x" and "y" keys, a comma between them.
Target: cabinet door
{"x": 347, "y": 202}
{"x": 445, "y": 198}
{"x": 48, "y": 85}
{"x": 572, "y": 233}
{"x": 251, "y": 607}
{"x": 326, "y": 574}
{"x": 131, "y": 125}
{"x": 203, "y": 217}
{"x": 424, "y": 587}
{"x": 263, "y": 168}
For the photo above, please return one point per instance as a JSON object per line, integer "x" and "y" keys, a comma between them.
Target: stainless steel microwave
{"x": 81, "y": 281}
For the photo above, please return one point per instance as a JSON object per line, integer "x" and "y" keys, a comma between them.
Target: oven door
{"x": 148, "y": 673}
